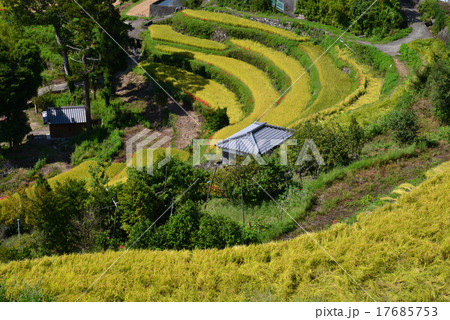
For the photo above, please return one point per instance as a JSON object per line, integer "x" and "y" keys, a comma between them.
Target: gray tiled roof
{"x": 65, "y": 115}
{"x": 257, "y": 138}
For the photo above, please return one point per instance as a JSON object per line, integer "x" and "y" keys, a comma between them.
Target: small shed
{"x": 258, "y": 138}
{"x": 65, "y": 121}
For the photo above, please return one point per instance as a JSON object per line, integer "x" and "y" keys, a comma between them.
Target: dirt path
{"x": 419, "y": 31}
{"x": 401, "y": 67}
{"x": 186, "y": 129}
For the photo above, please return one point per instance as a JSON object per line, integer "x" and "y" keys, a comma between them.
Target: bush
{"x": 218, "y": 232}
{"x": 146, "y": 196}
{"x": 379, "y": 21}
{"x": 45, "y": 101}
{"x": 192, "y": 4}
{"x": 253, "y": 5}
{"x": 37, "y": 166}
{"x": 431, "y": 10}
{"x": 236, "y": 179}
{"x": 216, "y": 119}
{"x": 438, "y": 86}
{"x": 404, "y": 124}
{"x": 188, "y": 228}
{"x": 55, "y": 211}
{"x": 96, "y": 145}
{"x": 338, "y": 146}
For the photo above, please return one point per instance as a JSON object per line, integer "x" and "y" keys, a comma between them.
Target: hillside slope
{"x": 396, "y": 253}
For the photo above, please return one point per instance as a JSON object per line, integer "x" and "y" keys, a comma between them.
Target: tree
{"x": 20, "y": 76}
{"x": 44, "y": 12}
{"x": 92, "y": 46}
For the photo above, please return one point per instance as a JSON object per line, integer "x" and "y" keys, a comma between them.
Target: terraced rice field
{"x": 255, "y": 79}
{"x": 336, "y": 85}
{"x": 206, "y": 90}
{"x": 334, "y": 97}
{"x": 166, "y": 33}
{"x": 294, "y": 102}
{"x": 369, "y": 87}
{"x": 241, "y": 22}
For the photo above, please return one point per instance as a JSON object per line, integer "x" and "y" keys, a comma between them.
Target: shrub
{"x": 272, "y": 177}
{"x": 216, "y": 119}
{"x": 431, "y": 10}
{"x": 37, "y": 166}
{"x": 146, "y": 196}
{"x": 55, "y": 211}
{"x": 181, "y": 229}
{"x": 254, "y": 5}
{"x": 188, "y": 228}
{"x": 97, "y": 145}
{"x": 404, "y": 124}
{"x": 47, "y": 100}
{"x": 438, "y": 86}
{"x": 338, "y": 146}
{"x": 192, "y": 4}
{"x": 218, "y": 232}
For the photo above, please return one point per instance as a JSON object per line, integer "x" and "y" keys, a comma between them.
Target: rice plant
{"x": 209, "y": 92}
{"x": 241, "y": 22}
{"x": 166, "y": 33}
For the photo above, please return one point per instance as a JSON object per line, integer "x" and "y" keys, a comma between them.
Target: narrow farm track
{"x": 419, "y": 31}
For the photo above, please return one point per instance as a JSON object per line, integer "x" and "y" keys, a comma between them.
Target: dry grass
{"x": 166, "y": 33}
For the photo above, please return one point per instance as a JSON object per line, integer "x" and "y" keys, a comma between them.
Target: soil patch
{"x": 358, "y": 190}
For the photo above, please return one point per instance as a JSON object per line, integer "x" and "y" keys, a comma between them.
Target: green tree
{"x": 20, "y": 76}
{"x": 147, "y": 196}
{"x": 55, "y": 211}
{"x": 44, "y": 12}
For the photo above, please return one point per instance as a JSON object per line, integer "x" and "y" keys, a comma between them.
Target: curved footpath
{"x": 419, "y": 31}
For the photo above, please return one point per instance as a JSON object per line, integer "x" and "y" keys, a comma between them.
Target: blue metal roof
{"x": 65, "y": 115}
{"x": 257, "y": 138}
